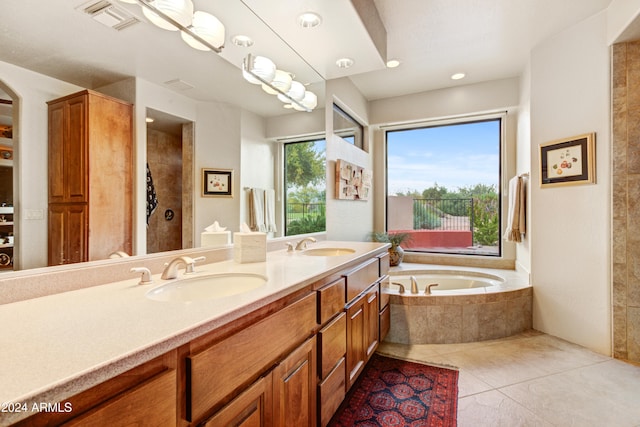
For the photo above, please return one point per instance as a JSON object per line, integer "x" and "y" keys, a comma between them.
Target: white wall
{"x": 218, "y": 136}
{"x": 347, "y": 219}
{"x": 570, "y": 236}
{"x": 258, "y": 160}
{"x": 524, "y": 165}
{"x": 30, "y": 159}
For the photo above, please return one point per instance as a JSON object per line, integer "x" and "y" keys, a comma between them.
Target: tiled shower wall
{"x": 626, "y": 200}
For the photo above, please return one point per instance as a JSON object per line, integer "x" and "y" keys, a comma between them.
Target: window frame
{"x": 283, "y": 172}
{"x": 499, "y": 117}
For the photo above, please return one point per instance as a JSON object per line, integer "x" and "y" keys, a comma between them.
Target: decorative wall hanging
{"x": 217, "y": 183}
{"x": 568, "y": 161}
{"x": 352, "y": 182}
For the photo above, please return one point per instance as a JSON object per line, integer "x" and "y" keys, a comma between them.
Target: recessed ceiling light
{"x": 344, "y": 62}
{"x": 458, "y": 76}
{"x": 393, "y": 63}
{"x": 242, "y": 41}
{"x": 309, "y": 20}
{"x": 149, "y": 119}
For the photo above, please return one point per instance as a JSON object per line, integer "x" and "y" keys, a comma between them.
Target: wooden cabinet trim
{"x": 331, "y": 392}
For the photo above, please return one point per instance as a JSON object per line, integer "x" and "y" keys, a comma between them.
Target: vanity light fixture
{"x": 458, "y": 76}
{"x": 180, "y": 11}
{"x": 281, "y": 81}
{"x": 261, "y": 70}
{"x": 206, "y": 26}
{"x": 200, "y": 30}
{"x": 309, "y": 20}
{"x": 344, "y": 62}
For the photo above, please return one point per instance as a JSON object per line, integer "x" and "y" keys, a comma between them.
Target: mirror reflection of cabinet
{"x": 6, "y": 237}
{"x": 90, "y": 177}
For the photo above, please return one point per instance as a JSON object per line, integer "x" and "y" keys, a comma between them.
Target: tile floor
{"x": 534, "y": 379}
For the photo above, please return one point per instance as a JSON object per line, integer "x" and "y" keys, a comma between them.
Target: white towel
{"x": 516, "y": 220}
{"x": 256, "y": 210}
{"x": 270, "y": 210}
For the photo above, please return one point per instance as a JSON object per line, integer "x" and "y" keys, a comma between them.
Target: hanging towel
{"x": 152, "y": 199}
{"x": 516, "y": 221}
{"x": 256, "y": 210}
{"x": 270, "y": 210}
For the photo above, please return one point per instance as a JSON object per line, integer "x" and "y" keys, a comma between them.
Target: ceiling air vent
{"x": 109, "y": 14}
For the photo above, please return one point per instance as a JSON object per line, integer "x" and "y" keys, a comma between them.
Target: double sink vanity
{"x": 223, "y": 343}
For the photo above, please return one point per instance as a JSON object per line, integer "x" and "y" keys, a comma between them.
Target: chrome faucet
{"x": 302, "y": 244}
{"x": 414, "y": 284}
{"x": 171, "y": 269}
{"x": 428, "y": 290}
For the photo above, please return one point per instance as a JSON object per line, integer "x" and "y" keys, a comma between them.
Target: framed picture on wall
{"x": 217, "y": 182}
{"x": 569, "y": 161}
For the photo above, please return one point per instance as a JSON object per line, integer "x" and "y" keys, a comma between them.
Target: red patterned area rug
{"x": 396, "y": 393}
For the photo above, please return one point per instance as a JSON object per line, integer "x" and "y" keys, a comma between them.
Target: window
{"x": 347, "y": 127}
{"x": 443, "y": 187}
{"x": 305, "y": 187}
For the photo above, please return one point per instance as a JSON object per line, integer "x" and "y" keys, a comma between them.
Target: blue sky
{"x": 453, "y": 156}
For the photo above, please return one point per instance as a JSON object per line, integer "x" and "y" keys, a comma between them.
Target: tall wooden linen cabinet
{"x": 90, "y": 177}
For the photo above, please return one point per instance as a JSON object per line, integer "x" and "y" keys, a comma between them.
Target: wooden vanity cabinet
{"x": 90, "y": 170}
{"x": 144, "y": 395}
{"x": 222, "y": 370}
{"x": 332, "y": 348}
{"x": 363, "y": 311}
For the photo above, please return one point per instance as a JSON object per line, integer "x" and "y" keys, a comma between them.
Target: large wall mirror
{"x": 202, "y": 94}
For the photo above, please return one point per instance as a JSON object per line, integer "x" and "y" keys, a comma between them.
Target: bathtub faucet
{"x": 428, "y": 290}
{"x": 401, "y": 289}
{"x": 414, "y": 284}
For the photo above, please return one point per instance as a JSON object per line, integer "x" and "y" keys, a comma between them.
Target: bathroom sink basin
{"x": 328, "y": 251}
{"x": 206, "y": 287}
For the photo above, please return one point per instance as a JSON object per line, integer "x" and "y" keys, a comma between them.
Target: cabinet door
{"x": 76, "y": 170}
{"x": 294, "y": 388}
{"x": 56, "y": 155}
{"x": 67, "y": 233}
{"x": 372, "y": 315}
{"x": 253, "y": 408}
{"x": 68, "y": 168}
{"x": 356, "y": 339}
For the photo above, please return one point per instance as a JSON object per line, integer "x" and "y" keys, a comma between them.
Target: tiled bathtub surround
{"x": 626, "y": 200}
{"x": 501, "y": 311}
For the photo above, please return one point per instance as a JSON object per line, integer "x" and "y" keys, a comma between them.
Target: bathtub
{"x": 464, "y": 304}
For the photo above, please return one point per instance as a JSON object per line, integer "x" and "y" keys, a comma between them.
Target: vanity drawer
{"x": 331, "y": 393}
{"x": 361, "y": 278}
{"x": 332, "y": 341}
{"x": 331, "y": 300}
{"x": 152, "y": 403}
{"x": 215, "y": 373}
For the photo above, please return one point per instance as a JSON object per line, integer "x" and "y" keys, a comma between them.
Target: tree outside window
{"x": 305, "y": 187}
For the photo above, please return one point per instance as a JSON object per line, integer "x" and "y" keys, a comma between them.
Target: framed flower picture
{"x": 217, "y": 182}
{"x": 568, "y": 161}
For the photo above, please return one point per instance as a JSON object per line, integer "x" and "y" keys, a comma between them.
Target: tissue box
{"x": 249, "y": 247}
{"x": 215, "y": 238}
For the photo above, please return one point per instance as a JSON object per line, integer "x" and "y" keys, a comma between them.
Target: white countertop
{"x": 56, "y": 346}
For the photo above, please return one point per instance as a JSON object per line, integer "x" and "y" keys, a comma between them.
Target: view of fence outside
{"x": 305, "y": 218}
